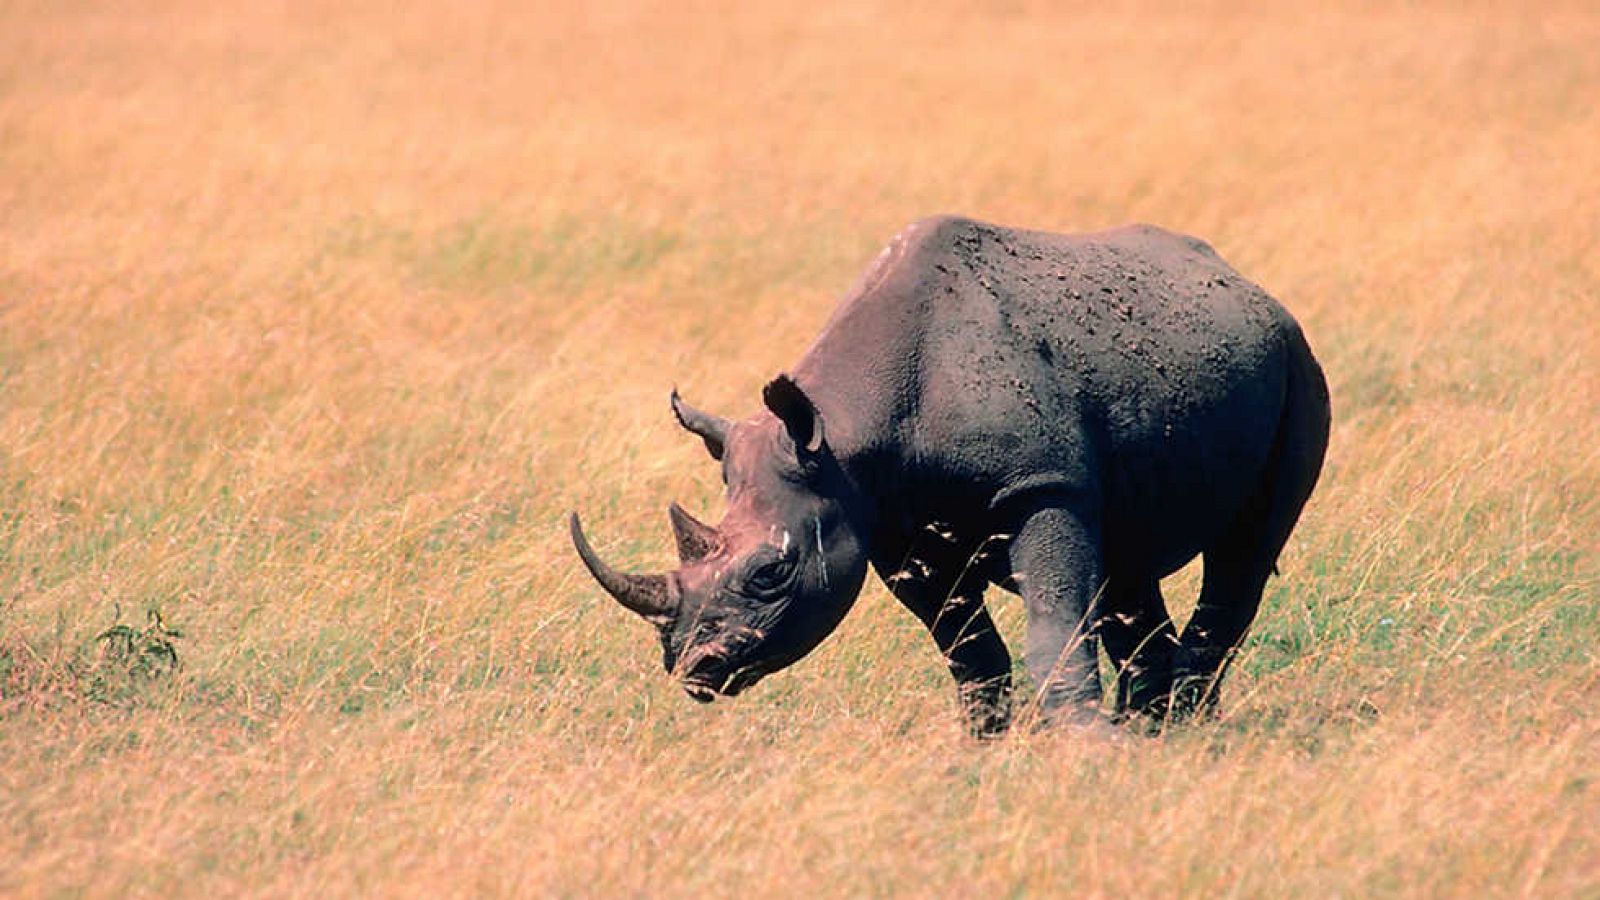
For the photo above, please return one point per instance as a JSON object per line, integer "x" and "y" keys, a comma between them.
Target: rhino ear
{"x": 796, "y": 411}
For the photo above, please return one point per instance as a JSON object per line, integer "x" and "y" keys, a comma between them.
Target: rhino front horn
{"x": 650, "y": 596}
{"x": 696, "y": 539}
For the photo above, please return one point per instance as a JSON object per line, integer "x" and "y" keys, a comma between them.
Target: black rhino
{"x": 1071, "y": 417}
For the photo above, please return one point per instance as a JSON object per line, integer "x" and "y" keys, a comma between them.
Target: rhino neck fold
{"x": 863, "y": 374}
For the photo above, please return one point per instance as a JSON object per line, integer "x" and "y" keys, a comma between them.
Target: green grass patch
{"x": 491, "y": 251}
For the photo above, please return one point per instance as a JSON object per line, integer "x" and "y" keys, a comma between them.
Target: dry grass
{"x": 314, "y": 321}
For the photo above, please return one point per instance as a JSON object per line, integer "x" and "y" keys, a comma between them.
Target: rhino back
{"x": 1132, "y": 369}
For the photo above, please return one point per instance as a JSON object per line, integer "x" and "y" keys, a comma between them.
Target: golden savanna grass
{"x": 314, "y": 321}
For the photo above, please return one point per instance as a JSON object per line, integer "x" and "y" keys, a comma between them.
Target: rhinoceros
{"x": 1069, "y": 417}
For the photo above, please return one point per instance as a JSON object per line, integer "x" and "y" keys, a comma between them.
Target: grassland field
{"x": 315, "y": 319}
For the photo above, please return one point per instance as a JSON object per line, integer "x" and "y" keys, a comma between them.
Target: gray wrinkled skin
{"x": 1071, "y": 417}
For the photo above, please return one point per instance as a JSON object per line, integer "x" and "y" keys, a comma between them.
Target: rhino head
{"x": 762, "y": 588}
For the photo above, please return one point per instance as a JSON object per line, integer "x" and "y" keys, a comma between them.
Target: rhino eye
{"x": 769, "y": 578}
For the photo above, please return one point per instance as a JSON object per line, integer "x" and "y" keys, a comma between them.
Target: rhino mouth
{"x": 699, "y": 692}
{"x": 717, "y": 668}
{"x": 706, "y": 686}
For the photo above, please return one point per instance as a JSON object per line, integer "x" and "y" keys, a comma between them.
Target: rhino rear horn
{"x": 712, "y": 429}
{"x": 696, "y": 539}
{"x": 651, "y": 596}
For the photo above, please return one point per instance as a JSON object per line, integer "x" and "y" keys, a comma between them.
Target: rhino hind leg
{"x": 1230, "y": 594}
{"x": 1237, "y": 567}
{"x": 1140, "y": 641}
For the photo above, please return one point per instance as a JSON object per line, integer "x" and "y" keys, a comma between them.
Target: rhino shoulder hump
{"x": 937, "y": 225}
{"x": 936, "y": 235}
{"x": 1156, "y": 236}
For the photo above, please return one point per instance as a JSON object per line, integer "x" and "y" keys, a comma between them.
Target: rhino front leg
{"x": 978, "y": 660}
{"x": 1057, "y": 565}
{"x": 946, "y": 595}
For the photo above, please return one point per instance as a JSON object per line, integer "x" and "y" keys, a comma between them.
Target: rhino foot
{"x": 988, "y": 709}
